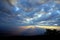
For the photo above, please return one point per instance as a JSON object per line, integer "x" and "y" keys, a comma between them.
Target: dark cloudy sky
{"x": 26, "y": 13}
{"x": 29, "y": 13}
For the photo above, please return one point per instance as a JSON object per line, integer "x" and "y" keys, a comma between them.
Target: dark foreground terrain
{"x": 48, "y": 35}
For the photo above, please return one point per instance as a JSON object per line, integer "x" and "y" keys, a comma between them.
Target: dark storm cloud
{"x": 16, "y": 15}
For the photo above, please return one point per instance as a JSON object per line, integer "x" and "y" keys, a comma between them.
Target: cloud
{"x": 45, "y": 14}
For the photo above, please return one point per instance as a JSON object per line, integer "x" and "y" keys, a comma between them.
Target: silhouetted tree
{"x": 52, "y": 32}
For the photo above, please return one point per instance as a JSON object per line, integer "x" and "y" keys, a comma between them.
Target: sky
{"x": 27, "y": 13}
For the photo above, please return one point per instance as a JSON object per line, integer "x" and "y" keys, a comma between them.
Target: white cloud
{"x": 17, "y": 8}
{"x": 58, "y": 11}
{"x": 55, "y": 24}
{"x": 27, "y": 20}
